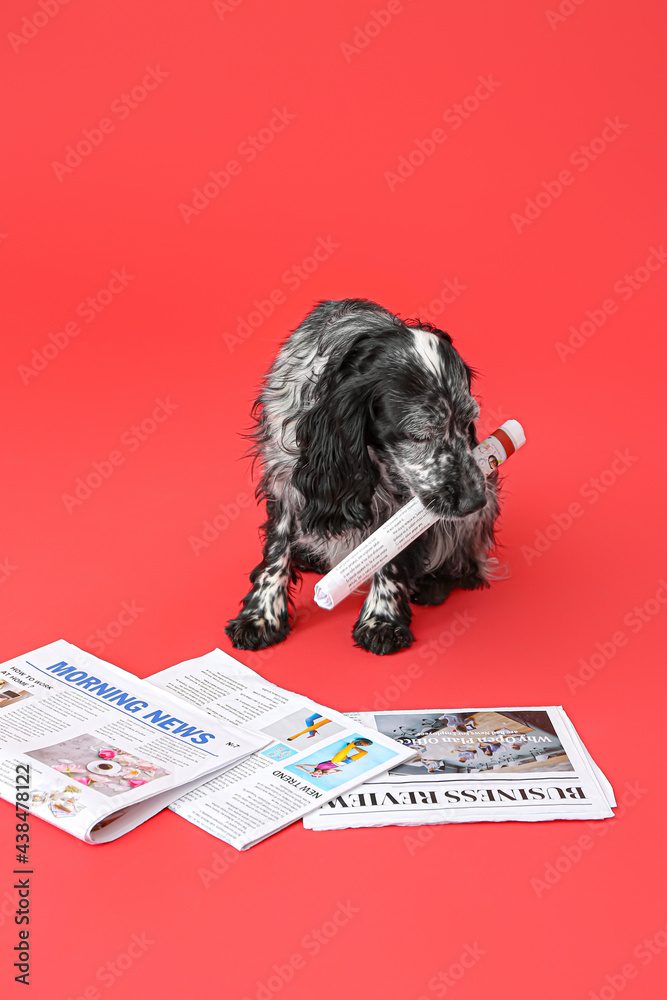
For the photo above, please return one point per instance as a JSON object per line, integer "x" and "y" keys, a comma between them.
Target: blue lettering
{"x": 88, "y": 682}
{"x": 202, "y": 738}
{"x": 104, "y": 690}
{"x": 169, "y": 722}
{"x": 157, "y": 716}
{"x": 136, "y": 705}
{"x": 186, "y": 730}
{"x": 61, "y": 668}
{"x": 120, "y": 697}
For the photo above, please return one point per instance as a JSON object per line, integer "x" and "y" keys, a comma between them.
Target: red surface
{"x": 323, "y": 176}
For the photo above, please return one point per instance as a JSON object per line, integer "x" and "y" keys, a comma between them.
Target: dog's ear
{"x": 334, "y": 472}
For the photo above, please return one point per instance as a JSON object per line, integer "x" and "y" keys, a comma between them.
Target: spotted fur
{"x": 359, "y": 412}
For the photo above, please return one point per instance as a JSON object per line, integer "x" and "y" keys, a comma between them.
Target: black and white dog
{"x": 359, "y": 412}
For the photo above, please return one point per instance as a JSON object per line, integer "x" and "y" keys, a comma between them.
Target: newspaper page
{"x": 314, "y": 753}
{"x": 95, "y": 750}
{"x": 475, "y": 765}
{"x": 374, "y": 552}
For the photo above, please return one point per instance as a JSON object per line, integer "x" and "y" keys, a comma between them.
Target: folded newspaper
{"x": 96, "y": 751}
{"x": 475, "y": 765}
{"x": 315, "y": 753}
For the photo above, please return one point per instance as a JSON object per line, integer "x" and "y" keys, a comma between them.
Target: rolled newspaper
{"x": 407, "y": 524}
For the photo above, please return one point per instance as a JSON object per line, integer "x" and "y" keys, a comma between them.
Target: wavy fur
{"x": 359, "y": 412}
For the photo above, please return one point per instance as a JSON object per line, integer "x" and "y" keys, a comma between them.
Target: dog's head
{"x": 425, "y": 425}
{"x": 399, "y": 402}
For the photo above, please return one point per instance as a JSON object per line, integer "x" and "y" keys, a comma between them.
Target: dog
{"x": 360, "y": 412}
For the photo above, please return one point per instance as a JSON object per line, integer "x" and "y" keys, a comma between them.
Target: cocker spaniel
{"x": 359, "y": 412}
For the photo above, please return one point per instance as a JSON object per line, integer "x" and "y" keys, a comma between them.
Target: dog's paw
{"x": 382, "y": 637}
{"x": 250, "y": 631}
{"x": 431, "y": 590}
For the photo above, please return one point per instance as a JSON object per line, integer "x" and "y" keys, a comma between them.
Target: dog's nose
{"x": 472, "y": 502}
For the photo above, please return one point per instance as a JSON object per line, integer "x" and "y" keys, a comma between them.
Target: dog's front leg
{"x": 264, "y": 618}
{"x": 383, "y": 625}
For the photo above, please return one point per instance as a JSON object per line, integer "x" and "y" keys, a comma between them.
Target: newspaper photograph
{"x": 471, "y": 742}
{"x": 103, "y": 750}
{"x": 474, "y": 765}
{"x": 315, "y": 753}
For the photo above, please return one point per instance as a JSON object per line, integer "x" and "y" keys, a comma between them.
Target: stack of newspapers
{"x": 96, "y": 751}
{"x": 473, "y": 765}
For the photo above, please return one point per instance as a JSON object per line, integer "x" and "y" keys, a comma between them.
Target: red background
{"x": 67, "y": 574}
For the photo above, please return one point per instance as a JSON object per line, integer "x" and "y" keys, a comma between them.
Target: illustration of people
{"x": 490, "y": 747}
{"x": 430, "y": 726}
{"x": 493, "y": 463}
{"x": 461, "y": 723}
{"x": 311, "y": 726}
{"x": 432, "y": 764}
{"x": 346, "y": 755}
{"x": 466, "y": 754}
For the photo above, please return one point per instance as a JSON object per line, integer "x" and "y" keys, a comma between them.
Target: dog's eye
{"x": 421, "y": 438}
